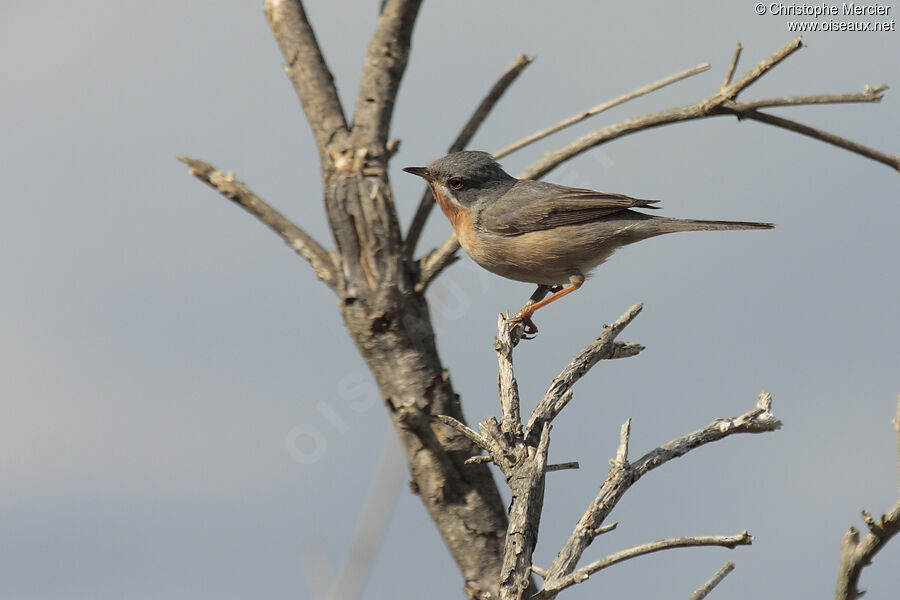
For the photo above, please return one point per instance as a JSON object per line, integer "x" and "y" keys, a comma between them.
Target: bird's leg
{"x": 538, "y": 295}
{"x": 534, "y": 303}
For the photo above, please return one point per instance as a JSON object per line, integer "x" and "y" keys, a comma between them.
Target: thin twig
{"x": 562, "y": 467}
{"x": 476, "y": 438}
{"x": 601, "y": 348}
{"x": 624, "y": 438}
{"x": 650, "y": 87}
{"x": 869, "y": 94}
{"x": 704, "y": 590}
{"x": 734, "y": 63}
{"x": 303, "y": 244}
{"x": 426, "y": 203}
{"x": 557, "y": 585}
{"x": 432, "y": 264}
{"x": 892, "y": 161}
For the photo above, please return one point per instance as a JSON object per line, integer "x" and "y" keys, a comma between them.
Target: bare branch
{"x": 650, "y": 87}
{"x": 601, "y": 348}
{"x": 857, "y": 554}
{"x": 307, "y": 70}
{"x": 741, "y": 539}
{"x": 433, "y": 264}
{"x": 720, "y": 103}
{"x": 324, "y": 264}
{"x": 624, "y": 437}
{"x": 892, "y": 161}
{"x": 383, "y": 69}
{"x": 622, "y": 476}
{"x": 511, "y": 420}
{"x": 869, "y": 94}
{"x": 731, "y": 91}
{"x": 562, "y": 467}
{"x": 426, "y": 203}
{"x": 476, "y": 438}
{"x": 704, "y": 590}
{"x": 734, "y": 63}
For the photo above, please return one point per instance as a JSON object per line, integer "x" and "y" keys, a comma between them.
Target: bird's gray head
{"x": 466, "y": 177}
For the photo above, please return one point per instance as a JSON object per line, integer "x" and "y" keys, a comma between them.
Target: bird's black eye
{"x": 456, "y": 183}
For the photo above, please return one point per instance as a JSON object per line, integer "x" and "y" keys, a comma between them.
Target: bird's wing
{"x": 536, "y": 205}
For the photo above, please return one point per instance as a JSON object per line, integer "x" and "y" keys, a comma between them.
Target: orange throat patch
{"x": 459, "y": 216}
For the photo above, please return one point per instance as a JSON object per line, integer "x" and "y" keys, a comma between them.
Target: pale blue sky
{"x": 161, "y": 346}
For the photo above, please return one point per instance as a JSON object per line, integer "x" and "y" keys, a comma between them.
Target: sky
{"x": 183, "y": 415}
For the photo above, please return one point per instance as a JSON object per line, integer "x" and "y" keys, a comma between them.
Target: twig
{"x": 892, "y": 161}
{"x": 704, "y": 590}
{"x": 432, "y": 264}
{"x": 562, "y": 467}
{"x": 307, "y": 70}
{"x": 324, "y": 264}
{"x": 734, "y": 63}
{"x": 601, "y": 348}
{"x": 856, "y": 554}
{"x": 650, "y": 87}
{"x": 426, "y": 203}
{"x": 623, "y": 475}
{"x": 557, "y": 585}
{"x": 477, "y": 439}
{"x": 869, "y": 94}
{"x": 624, "y": 438}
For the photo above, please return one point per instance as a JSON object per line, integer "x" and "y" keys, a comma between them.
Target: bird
{"x": 539, "y": 232}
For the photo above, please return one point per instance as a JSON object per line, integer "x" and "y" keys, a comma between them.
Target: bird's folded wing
{"x": 537, "y": 206}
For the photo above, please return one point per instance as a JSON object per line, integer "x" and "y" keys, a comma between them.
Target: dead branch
{"x": 641, "y": 91}
{"x": 603, "y": 347}
{"x": 580, "y": 575}
{"x": 704, "y": 590}
{"x": 856, "y": 554}
{"x": 306, "y": 68}
{"x": 622, "y": 475}
{"x": 325, "y": 265}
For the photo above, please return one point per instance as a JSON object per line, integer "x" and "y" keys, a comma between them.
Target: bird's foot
{"x": 523, "y": 317}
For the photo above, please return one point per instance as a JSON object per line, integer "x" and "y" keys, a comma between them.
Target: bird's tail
{"x": 673, "y": 225}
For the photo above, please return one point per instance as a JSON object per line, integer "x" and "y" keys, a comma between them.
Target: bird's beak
{"x": 422, "y": 172}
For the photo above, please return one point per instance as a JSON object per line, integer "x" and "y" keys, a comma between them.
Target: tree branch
{"x": 704, "y": 590}
{"x": 307, "y": 70}
{"x": 382, "y": 71}
{"x": 731, "y": 542}
{"x": 511, "y": 420}
{"x": 720, "y": 103}
{"x": 650, "y": 87}
{"x": 601, "y": 348}
{"x": 325, "y": 265}
{"x": 426, "y": 203}
{"x": 623, "y": 475}
{"x": 856, "y": 554}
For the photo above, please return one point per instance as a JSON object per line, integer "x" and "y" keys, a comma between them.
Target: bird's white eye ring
{"x": 456, "y": 183}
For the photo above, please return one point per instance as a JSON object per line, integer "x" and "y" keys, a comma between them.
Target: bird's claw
{"x": 529, "y": 328}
